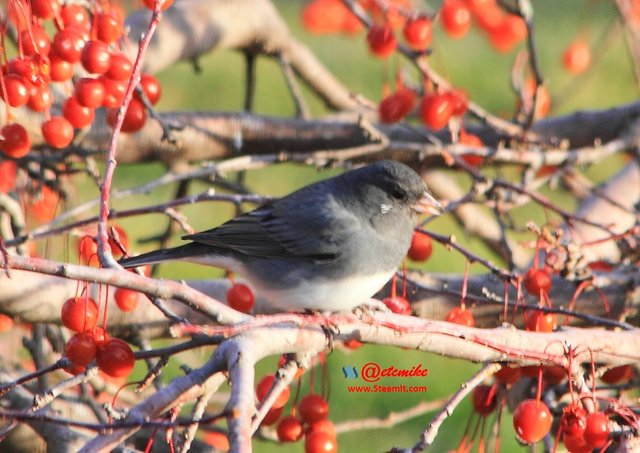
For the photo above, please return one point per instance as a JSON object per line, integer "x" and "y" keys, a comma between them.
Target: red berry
{"x": 617, "y": 374}
{"x": 313, "y": 408}
{"x": 289, "y": 429}
{"x": 17, "y": 90}
{"x": 68, "y": 44}
{"x": 436, "y": 110}
{"x": 60, "y": 70}
{"x": 120, "y": 68}
{"x": 75, "y": 16}
{"x": 456, "y": 18}
{"x": 126, "y": 299}
{"x": 577, "y": 58}
{"x": 507, "y": 33}
{"x": 109, "y": 27}
{"x": 421, "y": 247}
{"x": 57, "y": 132}
{"x": 596, "y": 433}
{"x": 45, "y": 9}
{"x": 484, "y": 399}
{"x": 95, "y": 57}
{"x": 78, "y": 115}
{"x": 461, "y": 316}
{"x": 508, "y": 375}
{"x": 90, "y": 92}
{"x": 417, "y": 32}
{"x": 573, "y": 421}
{"x": 151, "y": 88}
{"x": 265, "y": 385}
{"x": 532, "y": 420}
{"x": 541, "y": 322}
{"x": 81, "y": 349}
{"x": 115, "y": 358}
{"x": 320, "y": 442}
{"x": 8, "y": 170}
{"x": 240, "y": 297}
{"x": 40, "y": 98}
{"x": 382, "y": 41}
{"x": 398, "y": 305}
{"x": 134, "y": 118}
{"x": 150, "y": 4}
{"x": 35, "y": 41}
{"x": 396, "y": 106}
{"x": 79, "y": 314}
{"x": 14, "y": 140}
{"x": 537, "y": 281}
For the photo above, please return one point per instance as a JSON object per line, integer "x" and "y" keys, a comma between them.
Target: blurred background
{"x": 470, "y": 63}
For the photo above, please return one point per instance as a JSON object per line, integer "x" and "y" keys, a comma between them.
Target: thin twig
{"x": 429, "y": 434}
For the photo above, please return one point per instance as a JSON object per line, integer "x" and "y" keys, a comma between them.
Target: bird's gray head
{"x": 393, "y": 186}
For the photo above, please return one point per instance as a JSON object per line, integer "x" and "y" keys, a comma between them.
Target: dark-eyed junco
{"x": 329, "y": 246}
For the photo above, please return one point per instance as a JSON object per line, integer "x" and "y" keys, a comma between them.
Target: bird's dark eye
{"x": 398, "y": 194}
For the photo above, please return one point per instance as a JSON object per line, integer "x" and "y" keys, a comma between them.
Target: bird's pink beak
{"x": 428, "y": 204}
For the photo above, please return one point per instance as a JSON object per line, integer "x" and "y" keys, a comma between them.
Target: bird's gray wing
{"x": 308, "y": 224}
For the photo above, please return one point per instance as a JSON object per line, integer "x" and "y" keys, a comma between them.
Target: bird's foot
{"x": 370, "y": 307}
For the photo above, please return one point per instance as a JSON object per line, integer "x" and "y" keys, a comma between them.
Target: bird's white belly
{"x": 324, "y": 295}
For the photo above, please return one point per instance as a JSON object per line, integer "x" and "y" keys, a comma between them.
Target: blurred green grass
{"x": 469, "y": 63}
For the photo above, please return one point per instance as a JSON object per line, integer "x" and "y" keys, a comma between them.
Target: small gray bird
{"x": 329, "y": 246}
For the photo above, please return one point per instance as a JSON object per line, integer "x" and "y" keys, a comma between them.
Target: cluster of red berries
{"x": 80, "y": 314}
{"x": 503, "y": 30}
{"x": 85, "y": 35}
{"x": 580, "y": 431}
{"x": 436, "y": 108}
{"x": 90, "y": 342}
{"x": 312, "y": 421}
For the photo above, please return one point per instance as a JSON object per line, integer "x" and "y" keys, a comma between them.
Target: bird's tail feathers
{"x": 181, "y": 253}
